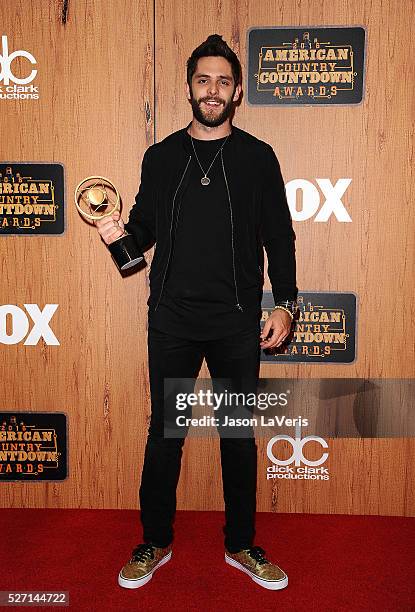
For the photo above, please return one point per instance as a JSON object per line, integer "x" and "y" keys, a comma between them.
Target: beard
{"x": 211, "y": 118}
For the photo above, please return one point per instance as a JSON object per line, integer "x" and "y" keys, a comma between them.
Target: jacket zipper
{"x": 171, "y": 227}
{"x": 238, "y": 306}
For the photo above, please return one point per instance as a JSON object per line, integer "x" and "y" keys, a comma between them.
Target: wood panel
{"x": 372, "y": 256}
{"x": 95, "y": 115}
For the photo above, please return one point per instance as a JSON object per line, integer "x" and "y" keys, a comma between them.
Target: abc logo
{"x": 6, "y": 60}
{"x": 297, "y": 445}
{"x": 19, "y": 324}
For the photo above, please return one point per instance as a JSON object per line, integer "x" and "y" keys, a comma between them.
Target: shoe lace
{"x": 257, "y": 553}
{"x": 142, "y": 552}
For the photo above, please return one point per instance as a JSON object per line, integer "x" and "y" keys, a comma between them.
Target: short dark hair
{"x": 215, "y": 46}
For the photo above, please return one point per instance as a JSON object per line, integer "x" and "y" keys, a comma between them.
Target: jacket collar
{"x": 186, "y": 142}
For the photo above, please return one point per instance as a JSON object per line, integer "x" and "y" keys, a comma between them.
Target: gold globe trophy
{"x": 97, "y": 197}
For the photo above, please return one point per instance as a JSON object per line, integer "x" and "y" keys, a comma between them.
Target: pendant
{"x": 205, "y": 180}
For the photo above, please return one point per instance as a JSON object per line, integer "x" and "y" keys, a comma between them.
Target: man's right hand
{"x": 110, "y": 228}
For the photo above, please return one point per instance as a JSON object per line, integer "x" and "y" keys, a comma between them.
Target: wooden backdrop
{"x": 111, "y": 78}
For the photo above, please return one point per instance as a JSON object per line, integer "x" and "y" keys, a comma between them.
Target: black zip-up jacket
{"x": 258, "y": 210}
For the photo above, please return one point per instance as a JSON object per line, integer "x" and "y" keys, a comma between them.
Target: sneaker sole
{"x": 131, "y": 583}
{"x": 273, "y": 585}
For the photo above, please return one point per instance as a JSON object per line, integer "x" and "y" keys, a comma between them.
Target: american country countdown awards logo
{"x": 306, "y": 65}
{"x": 297, "y": 466}
{"x": 324, "y": 329}
{"x": 32, "y": 198}
{"x": 33, "y": 446}
{"x": 13, "y": 87}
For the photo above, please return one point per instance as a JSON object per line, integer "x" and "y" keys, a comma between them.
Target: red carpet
{"x": 334, "y": 563}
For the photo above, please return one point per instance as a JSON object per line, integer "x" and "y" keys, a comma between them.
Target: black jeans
{"x": 235, "y": 357}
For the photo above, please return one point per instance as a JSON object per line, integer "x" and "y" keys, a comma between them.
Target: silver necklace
{"x": 205, "y": 180}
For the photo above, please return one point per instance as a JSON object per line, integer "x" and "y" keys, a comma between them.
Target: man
{"x": 211, "y": 198}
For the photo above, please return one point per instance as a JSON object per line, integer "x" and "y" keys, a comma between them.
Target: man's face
{"x": 213, "y": 91}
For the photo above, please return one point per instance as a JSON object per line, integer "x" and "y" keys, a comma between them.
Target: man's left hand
{"x": 279, "y": 322}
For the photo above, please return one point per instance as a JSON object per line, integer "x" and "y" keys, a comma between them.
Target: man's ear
{"x": 188, "y": 91}
{"x": 237, "y": 93}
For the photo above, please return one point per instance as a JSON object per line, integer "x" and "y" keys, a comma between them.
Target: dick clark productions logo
{"x": 310, "y": 470}
{"x": 20, "y": 90}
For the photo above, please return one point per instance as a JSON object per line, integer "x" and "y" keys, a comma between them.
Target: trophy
{"x": 95, "y": 198}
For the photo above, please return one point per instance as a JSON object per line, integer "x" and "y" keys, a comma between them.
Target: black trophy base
{"x": 125, "y": 252}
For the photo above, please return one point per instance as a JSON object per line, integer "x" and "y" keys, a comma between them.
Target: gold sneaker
{"x": 252, "y": 561}
{"x": 145, "y": 559}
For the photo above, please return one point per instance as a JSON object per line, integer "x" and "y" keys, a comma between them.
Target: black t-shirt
{"x": 199, "y": 299}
